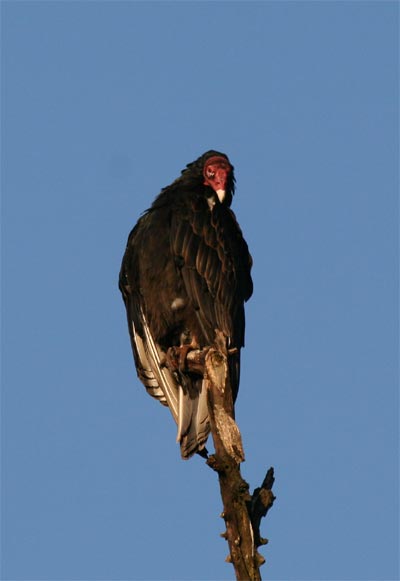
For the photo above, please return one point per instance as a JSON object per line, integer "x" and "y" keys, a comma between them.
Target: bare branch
{"x": 242, "y": 512}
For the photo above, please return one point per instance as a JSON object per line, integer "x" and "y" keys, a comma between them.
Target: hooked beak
{"x": 221, "y": 195}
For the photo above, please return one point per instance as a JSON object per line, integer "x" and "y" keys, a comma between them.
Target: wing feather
{"x": 205, "y": 261}
{"x": 210, "y": 243}
{"x": 186, "y": 399}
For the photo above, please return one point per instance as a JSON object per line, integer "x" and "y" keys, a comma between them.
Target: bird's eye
{"x": 210, "y": 173}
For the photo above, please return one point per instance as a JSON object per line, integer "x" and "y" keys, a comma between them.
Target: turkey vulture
{"x": 185, "y": 274}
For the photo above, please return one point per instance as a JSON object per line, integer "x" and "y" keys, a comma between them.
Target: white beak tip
{"x": 221, "y": 195}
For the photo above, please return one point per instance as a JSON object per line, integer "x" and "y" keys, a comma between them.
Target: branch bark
{"x": 242, "y": 512}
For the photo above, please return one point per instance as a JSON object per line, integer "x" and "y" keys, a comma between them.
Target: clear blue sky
{"x": 103, "y": 103}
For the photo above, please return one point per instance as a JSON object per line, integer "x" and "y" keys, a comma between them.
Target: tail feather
{"x": 185, "y": 396}
{"x": 193, "y": 423}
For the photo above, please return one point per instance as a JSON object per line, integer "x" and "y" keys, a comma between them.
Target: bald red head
{"x": 216, "y": 172}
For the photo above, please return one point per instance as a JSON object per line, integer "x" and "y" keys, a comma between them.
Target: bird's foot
{"x": 176, "y": 357}
{"x": 188, "y": 358}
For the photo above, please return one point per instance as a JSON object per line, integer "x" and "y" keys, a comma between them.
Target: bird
{"x": 185, "y": 276}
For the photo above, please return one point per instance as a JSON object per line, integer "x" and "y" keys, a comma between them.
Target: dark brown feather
{"x": 187, "y": 250}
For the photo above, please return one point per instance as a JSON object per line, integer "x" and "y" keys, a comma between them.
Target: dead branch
{"x": 242, "y": 512}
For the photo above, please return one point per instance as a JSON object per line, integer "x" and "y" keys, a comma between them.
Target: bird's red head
{"x": 216, "y": 172}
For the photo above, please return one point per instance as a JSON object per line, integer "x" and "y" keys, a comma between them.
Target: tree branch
{"x": 242, "y": 512}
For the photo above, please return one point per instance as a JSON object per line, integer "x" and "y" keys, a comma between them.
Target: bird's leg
{"x": 183, "y": 351}
{"x": 177, "y": 356}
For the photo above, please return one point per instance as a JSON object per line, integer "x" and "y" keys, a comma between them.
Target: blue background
{"x": 103, "y": 103}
